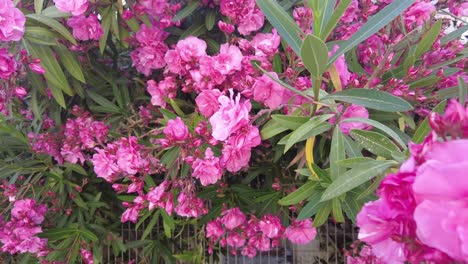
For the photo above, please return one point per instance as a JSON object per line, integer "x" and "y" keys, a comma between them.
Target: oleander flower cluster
{"x": 215, "y": 114}
{"x": 421, "y": 211}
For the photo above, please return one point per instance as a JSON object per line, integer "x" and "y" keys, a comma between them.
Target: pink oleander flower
{"x": 252, "y": 22}
{"x": 419, "y": 13}
{"x": 190, "y": 206}
{"x": 12, "y": 22}
{"x": 228, "y": 60}
{"x": 8, "y": 64}
{"x": 352, "y": 112}
{"x": 147, "y": 58}
{"x": 105, "y": 163}
{"x": 214, "y": 230}
{"x": 267, "y": 91}
{"x": 441, "y": 191}
{"x": 156, "y": 195}
{"x": 87, "y": 256}
{"x": 207, "y": 102}
{"x": 36, "y": 67}
{"x": 130, "y": 214}
{"x": 191, "y": 48}
{"x": 232, "y": 218}
{"x": 176, "y": 130}
{"x": 159, "y": 91}
{"x": 235, "y": 240}
{"x": 231, "y": 116}
{"x": 75, "y": 7}
{"x": 85, "y": 28}
{"x": 129, "y": 158}
{"x": 266, "y": 44}
{"x": 225, "y": 27}
{"x": 207, "y": 170}
{"x": 20, "y": 92}
{"x": 236, "y": 152}
{"x": 270, "y": 226}
{"x": 154, "y": 7}
{"x": 300, "y": 232}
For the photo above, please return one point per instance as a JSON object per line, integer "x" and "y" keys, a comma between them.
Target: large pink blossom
{"x": 232, "y": 218}
{"x": 419, "y": 13}
{"x": 237, "y": 150}
{"x": 266, "y": 44}
{"x": 75, "y": 7}
{"x": 176, "y": 130}
{"x": 214, "y": 230}
{"x": 228, "y": 60}
{"x": 8, "y": 64}
{"x": 151, "y": 51}
{"x": 207, "y": 102}
{"x": 85, "y": 28}
{"x": 12, "y": 21}
{"x": 231, "y": 116}
{"x": 271, "y": 226}
{"x": 253, "y": 21}
{"x": 441, "y": 189}
{"x": 191, "y": 48}
{"x": 300, "y": 232}
{"x": 269, "y": 92}
{"x": 207, "y": 170}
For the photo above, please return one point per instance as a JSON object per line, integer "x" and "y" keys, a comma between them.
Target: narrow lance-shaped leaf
{"x": 372, "y": 99}
{"x": 314, "y": 54}
{"x": 303, "y": 130}
{"x": 462, "y": 89}
{"x": 337, "y": 152}
{"x": 335, "y": 17}
{"x": 283, "y": 23}
{"x": 374, "y": 142}
{"x": 54, "y": 25}
{"x": 373, "y": 25}
{"x": 355, "y": 177}
{"x": 300, "y": 194}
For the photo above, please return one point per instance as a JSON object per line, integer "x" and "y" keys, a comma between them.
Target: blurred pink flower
{"x": 75, "y": 7}
{"x": 419, "y": 13}
{"x": 228, "y": 60}
{"x": 266, "y": 44}
{"x": 36, "y": 67}
{"x": 214, "y": 230}
{"x": 207, "y": 170}
{"x": 20, "y": 92}
{"x": 12, "y": 21}
{"x": 351, "y": 112}
{"x": 271, "y": 226}
{"x": 235, "y": 240}
{"x": 232, "y": 218}
{"x": 207, "y": 102}
{"x": 269, "y": 92}
{"x": 85, "y": 28}
{"x": 300, "y": 232}
{"x": 253, "y": 21}
{"x": 225, "y": 27}
{"x": 8, "y": 64}
{"x": 176, "y": 130}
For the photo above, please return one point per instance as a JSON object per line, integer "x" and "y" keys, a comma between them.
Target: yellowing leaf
{"x": 335, "y": 78}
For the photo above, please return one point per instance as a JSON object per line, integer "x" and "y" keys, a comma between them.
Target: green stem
{"x": 316, "y": 87}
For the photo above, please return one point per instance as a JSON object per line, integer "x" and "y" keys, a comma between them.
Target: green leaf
{"x": 107, "y": 105}
{"x": 88, "y": 234}
{"x": 210, "y": 19}
{"x": 337, "y": 211}
{"x": 186, "y": 11}
{"x": 314, "y": 55}
{"x": 337, "y": 152}
{"x": 373, "y": 99}
{"x": 327, "y": 10}
{"x": 106, "y": 23}
{"x": 170, "y": 156}
{"x": 312, "y": 206}
{"x": 194, "y": 30}
{"x": 424, "y": 128}
{"x": 283, "y": 23}
{"x": 453, "y": 35}
{"x": 304, "y": 131}
{"x": 462, "y": 90}
{"x": 355, "y": 177}
{"x": 58, "y": 233}
{"x": 352, "y": 149}
{"x": 351, "y": 207}
{"x": 168, "y": 223}
{"x": 335, "y": 17}
{"x": 290, "y": 122}
{"x": 353, "y": 162}
{"x": 70, "y": 62}
{"x": 300, "y": 194}
{"x": 379, "y": 126}
{"x": 150, "y": 227}
{"x": 38, "y": 4}
{"x": 54, "y": 25}
{"x": 373, "y": 25}
{"x": 271, "y": 129}
{"x": 375, "y": 142}
{"x": 322, "y": 214}
{"x": 428, "y": 39}
{"x": 53, "y": 12}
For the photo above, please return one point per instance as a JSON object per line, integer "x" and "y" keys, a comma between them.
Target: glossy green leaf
{"x": 303, "y": 132}
{"x": 373, "y": 99}
{"x": 53, "y": 12}
{"x": 337, "y": 152}
{"x": 453, "y": 35}
{"x": 186, "y": 11}
{"x": 375, "y": 142}
{"x": 314, "y": 55}
{"x": 106, "y": 23}
{"x": 38, "y": 4}
{"x": 379, "y": 126}
{"x": 352, "y": 148}
{"x": 194, "y": 30}
{"x": 102, "y": 101}
{"x": 282, "y": 22}
{"x": 210, "y": 19}
{"x": 424, "y": 128}
{"x": 55, "y": 25}
{"x": 322, "y": 214}
{"x": 335, "y": 17}
{"x": 312, "y": 206}
{"x": 462, "y": 90}
{"x": 337, "y": 210}
{"x": 372, "y": 26}
{"x": 355, "y": 177}
{"x": 70, "y": 62}
{"x": 58, "y": 233}
{"x": 290, "y": 122}
{"x": 428, "y": 39}
{"x": 271, "y": 129}
{"x": 300, "y": 194}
